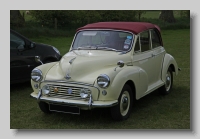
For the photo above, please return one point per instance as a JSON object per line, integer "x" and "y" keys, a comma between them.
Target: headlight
{"x": 45, "y": 90}
{"x": 55, "y": 49}
{"x": 36, "y": 75}
{"x": 103, "y": 81}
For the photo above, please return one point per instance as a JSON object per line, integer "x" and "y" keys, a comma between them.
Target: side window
{"x": 16, "y": 42}
{"x": 137, "y": 46}
{"x": 144, "y": 41}
{"x": 155, "y": 39}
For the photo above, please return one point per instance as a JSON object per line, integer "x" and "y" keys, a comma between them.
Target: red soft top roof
{"x": 135, "y": 27}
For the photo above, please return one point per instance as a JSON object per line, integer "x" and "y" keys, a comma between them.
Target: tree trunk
{"x": 167, "y": 16}
{"x": 16, "y": 19}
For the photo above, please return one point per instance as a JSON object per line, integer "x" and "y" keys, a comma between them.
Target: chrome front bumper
{"x": 79, "y": 103}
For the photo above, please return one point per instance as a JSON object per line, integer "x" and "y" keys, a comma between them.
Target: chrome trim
{"x": 39, "y": 71}
{"x": 67, "y": 77}
{"x": 104, "y": 76}
{"x": 95, "y": 104}
{"x": 90, "y": 102}
{"x": 39, "y": 95}
{"x": 37, "y": 59}
{"x": 120, "y": 63}
{"x": 157, "y": 54}
{"x": 63, "y": 92}
{"x": 71, "y": 61}
{"x": 73, "y": 83}
{"x": 142, "y": 59}
{"x": 69, "y": 82}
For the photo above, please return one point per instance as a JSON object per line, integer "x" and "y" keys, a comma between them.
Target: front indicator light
{"x": 104, "y": 92}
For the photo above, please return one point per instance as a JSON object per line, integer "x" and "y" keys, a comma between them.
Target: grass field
{"x": 154, "y": 111}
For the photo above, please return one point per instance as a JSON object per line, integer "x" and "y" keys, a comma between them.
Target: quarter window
{"x": 155, "y": 39}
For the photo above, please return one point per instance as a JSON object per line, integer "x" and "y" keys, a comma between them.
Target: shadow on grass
{"x": 15, "y": 86}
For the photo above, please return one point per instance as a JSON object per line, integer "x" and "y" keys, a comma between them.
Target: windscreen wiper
{"x": 108, "y": 48}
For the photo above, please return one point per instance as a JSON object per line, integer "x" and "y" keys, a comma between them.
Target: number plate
{"x": 64, "y": 108}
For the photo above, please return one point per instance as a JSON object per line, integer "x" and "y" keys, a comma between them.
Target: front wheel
{"x": 123, "y": 109}
{"x": 166, "y": 89}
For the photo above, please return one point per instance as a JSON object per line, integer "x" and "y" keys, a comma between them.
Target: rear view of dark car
{"x": 22, "y": 56}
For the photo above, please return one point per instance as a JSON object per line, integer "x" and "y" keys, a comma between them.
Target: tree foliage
{"x": 66, "y": 17}
{"x": 184, "y": 13}
{"x": 16, "y": 19}
{"x": 167, "y": 16}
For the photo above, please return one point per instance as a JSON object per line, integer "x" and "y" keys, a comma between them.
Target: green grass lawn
{"x": 154, "y": 111}
{"x": 62, "y": 43}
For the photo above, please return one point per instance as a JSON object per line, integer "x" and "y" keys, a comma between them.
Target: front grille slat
{"x": 63, "y": 92}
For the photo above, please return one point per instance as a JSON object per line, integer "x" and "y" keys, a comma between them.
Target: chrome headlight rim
{"x": 100, "y": 84}
{"x": 36, "y": 71}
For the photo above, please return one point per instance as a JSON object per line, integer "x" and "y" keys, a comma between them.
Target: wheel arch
{"x": 132, "y": 86}
{"x": 131, "y": 75}
{"x": 169, "y": 61}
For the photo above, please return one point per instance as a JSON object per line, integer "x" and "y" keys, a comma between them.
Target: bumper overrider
{"x": 71, "y": 99}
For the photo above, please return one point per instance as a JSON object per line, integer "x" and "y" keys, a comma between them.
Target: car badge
{"x": 69, "y": 91}
{"x": 55, "y": 90}
{"x": 67, "y": 77}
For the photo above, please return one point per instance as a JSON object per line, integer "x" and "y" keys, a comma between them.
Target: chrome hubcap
{"x": 168, "y": 81}
{"x": 125, "y": 103}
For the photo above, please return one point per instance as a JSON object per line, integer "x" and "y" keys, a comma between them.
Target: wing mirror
{"x": 37, "y": 59}
{"x": 32, "y": 45}
{"x": 120, "y": 64}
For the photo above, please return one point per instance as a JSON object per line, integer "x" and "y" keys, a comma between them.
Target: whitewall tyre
{"x": 123, "y": 109}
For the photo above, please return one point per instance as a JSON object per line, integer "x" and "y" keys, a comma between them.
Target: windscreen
{"x": 95, "y": 39}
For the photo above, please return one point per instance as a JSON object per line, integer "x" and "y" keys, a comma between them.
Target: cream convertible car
{"x": 109, "y": 64}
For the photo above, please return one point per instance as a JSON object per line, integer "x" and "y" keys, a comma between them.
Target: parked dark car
{"x": 22, "y": 56}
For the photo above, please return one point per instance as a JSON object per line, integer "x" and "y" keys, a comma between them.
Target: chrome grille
{"x": 63, "y": 92}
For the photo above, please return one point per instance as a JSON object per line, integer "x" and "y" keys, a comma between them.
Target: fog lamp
{"x": 45, "y": 90}
{"x": 83, "y": 93}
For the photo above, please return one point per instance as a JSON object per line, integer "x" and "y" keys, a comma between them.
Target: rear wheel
{"x": 123, "y": 109}
{"x": 44, "y": 107}
{"x": 166, "y": 89}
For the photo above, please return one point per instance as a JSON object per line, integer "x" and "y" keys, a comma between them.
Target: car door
{"x": 143, "y": 58}
{"x": 158, "y": 53}
{"x": 21, "y": 58}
